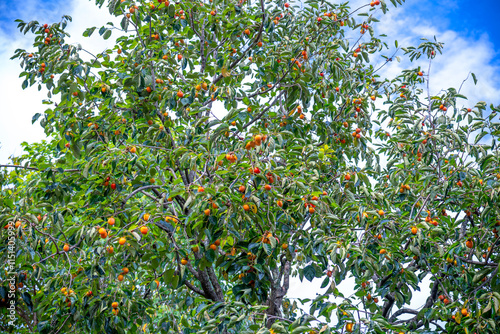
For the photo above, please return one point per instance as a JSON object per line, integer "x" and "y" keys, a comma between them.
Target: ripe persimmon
{"x": 103, "y": 233}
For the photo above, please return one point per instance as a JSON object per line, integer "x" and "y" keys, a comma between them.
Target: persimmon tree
{"x": 219, "y": 149}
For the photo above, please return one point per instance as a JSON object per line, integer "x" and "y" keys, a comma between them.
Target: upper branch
{"x": 34, "y": 168}
{"x": 136, "y": 191}
{"x": 254, "y": 42}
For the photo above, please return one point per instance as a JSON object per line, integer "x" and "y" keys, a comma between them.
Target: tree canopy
{"x": 220, "y": 148}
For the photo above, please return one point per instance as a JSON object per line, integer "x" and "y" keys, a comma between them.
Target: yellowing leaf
{"x": 225, "y": 72}
{"x": 253, "y": 207}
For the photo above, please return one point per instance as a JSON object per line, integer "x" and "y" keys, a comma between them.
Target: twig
{"x": 34, "y": 168}
{"x": 69, "y": 315}
{"x": 259, "y": 116}
{"x": 138, "y": 190}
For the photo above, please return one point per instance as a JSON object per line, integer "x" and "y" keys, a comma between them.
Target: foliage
{"x": 236, "y": 145}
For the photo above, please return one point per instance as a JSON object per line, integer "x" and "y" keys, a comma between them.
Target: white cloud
{"x": 19, "y": 106}
{"x": 461, "y": 55}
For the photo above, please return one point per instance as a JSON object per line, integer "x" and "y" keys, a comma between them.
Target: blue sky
{"x": 468, "y": 18}
{"x": 28, "y": 10}
{"x": 464, "y": 16}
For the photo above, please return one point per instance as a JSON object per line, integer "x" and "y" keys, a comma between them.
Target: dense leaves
{"x": 219, "y": 149}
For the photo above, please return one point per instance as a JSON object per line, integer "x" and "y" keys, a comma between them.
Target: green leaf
{"x": 35, "y": 118}
{"x": 268, "y": 249}
{"x": 27, "y": 299}
{"x": 210, "y": 255}
{"x": 171, "y": 10}
{"x": 495, "y": 283}
{"x": 325, "y": 283}
{"x": 167, "y": 276}
{"x": 107, "y": 34}
{"x": 88, "y": 32}
{"x": 309, "y": 272}
{"x": 300, "y": 329}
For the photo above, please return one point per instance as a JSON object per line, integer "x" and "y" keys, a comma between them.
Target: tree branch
{"x": 244, "y": 53}
{"x": 195, "y": 289}
{"x": 484, "y": 264}
{"x": 36, "y": 169}
{"x": 215, "y": 284}
{"x": 259, "y": 116}
{"x": 402, "y": 311}
{"x": 59, "y": 330}
{"x": 137, "y": 191}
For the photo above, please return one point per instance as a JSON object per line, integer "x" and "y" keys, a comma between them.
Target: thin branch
{"x": 463, "y": 83}
{"x": 403, "y": 311}
{"x": 34, "y": 168}
{"x": 138, "y": 190}
{"x": 259, "y": 116}
{"x": 69, "y": 315}
{"x": 275, "y": 317}
{"x": 244, "y": 53}
{"x": 484, "y": 264}
{"x": 195, "y": 289}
